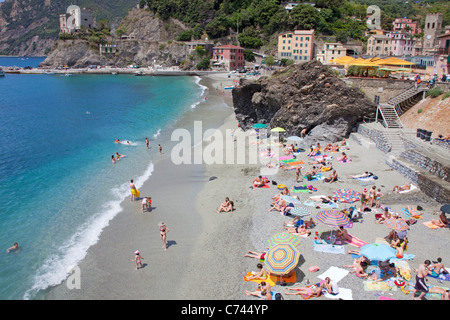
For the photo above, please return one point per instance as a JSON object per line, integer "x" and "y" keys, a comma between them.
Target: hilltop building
{"x": 404, "y": 24}
{"x": 297, "y": 45}
{"x": 74, "y": 19}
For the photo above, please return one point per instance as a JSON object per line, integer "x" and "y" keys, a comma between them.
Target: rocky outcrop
{"x": 147, "y": 41}
{"x": 302, "y": 96}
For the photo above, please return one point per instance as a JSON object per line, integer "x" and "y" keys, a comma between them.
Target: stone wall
{"x": 429, "y": 184}
{"x": 384, "y": 88}
{"x": 376, "y": 136}
{"x": 425, "y": 162}
{"x": 441, "y": 143}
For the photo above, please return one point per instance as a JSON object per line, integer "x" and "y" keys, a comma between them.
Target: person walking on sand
{"x": 298, "y": 174}
{"x": 372, "y": 193}
{"x": 163, "y": 233}
{"x": 420, "y": 285}
{"x": 160, "y": 149}
{"x": 378, "y": 195}
{"x": 133, "y": 190}
{"x": 138, "y": 259}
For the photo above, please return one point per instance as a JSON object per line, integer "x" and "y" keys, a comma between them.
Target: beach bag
{"x": 309, "y": 177}
{"x": 278, "y": 296}
{"x": 313, "y": 269}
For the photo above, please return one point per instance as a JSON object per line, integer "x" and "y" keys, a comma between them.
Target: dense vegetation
{"x": 257, "y": 20}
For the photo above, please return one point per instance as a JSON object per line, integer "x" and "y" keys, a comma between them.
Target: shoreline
{"x": 172, "y": 189}
{"x": 205, "y": 258}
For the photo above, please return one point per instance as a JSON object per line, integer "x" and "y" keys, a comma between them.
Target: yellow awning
{"x": 342, "y": 60}
{"x": 392, "y": 61}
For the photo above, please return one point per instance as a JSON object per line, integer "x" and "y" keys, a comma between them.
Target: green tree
{"x": 270, "y": 61}
{"x": 249, "y": 56}
{"x": 204, "y": 64}
{"x": 304, "y": 16}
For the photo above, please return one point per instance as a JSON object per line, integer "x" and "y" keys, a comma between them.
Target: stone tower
{"x": 433, "y": 27}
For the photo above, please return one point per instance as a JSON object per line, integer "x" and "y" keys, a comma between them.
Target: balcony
{"x": 444, "y": 50}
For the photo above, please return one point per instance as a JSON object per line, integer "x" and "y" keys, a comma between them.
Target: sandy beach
{"x": 205, "y": 255}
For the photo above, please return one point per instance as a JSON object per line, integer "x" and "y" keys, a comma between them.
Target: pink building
{"x": 402, "y": 23}
{"x": 402, "y": 44}
{"x": 229, "y": 56}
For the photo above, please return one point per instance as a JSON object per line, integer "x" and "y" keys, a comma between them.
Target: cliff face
{"x": 149, "y": 42}
{"x": 30, "y": 27}
{"x": 306, "y": 95}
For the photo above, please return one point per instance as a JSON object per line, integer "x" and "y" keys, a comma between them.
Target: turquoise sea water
{"x": 58, "y": 187}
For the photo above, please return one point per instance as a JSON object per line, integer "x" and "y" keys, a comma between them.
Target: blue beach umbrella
{"x": 378, "y": 251}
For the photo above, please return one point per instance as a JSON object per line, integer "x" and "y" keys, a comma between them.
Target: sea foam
{"x": 59, "y": 266}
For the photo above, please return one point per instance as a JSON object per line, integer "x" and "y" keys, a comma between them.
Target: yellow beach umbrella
{"x": 277, "y": 129}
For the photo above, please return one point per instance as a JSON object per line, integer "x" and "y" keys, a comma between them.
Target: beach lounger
{"x": 328, "y": 248}
{"x": 413, "y": 187}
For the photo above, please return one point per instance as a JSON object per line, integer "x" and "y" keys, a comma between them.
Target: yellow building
{"x": 297, "y": 45}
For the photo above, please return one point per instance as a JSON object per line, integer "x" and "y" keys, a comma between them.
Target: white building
{"x": 74, "y": 19}
{"x": 331, "y": 51}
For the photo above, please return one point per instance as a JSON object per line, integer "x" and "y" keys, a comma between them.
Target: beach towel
{"x": 294, "y": 163}
{"x": 342, "y": 161}
{"x": 328, "y": 248}
{"x": 406, "y": 256}
{"x": 386, "y": 298}
{"x": 317, "y": 177}
{"x": 356, "y": 242}
{"x": 413, "y": 187}
{"x": 264, "y": 186}
{"x": 378, "y": 286}
{"x": 344, "y": 294}
{"x": 334, "y": 273}
{"x": 408, "y": 214}
{"x": 441, "y": 276}
{"x": 403, "y": 268}
{"x": 268, "y": 280}
{"x": 431, "y": 225}
{"x": 291, "y": 199}
{"x": 291, "y": 279}
{"x": 285, "y": 158}
{"x": 300, "y": 189}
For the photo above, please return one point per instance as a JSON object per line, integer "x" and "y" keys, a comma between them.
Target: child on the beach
{"x": 144, "y": 204}
{"x": 138, "y": 259}
{"x": 378, "y": 196}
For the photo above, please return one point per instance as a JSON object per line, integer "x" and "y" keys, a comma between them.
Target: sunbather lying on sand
{"x": 301, "y": 230}
{"x": 263, "y": 286}
{"x": 256, "y": 255}
{"x": 396, "y": 189}
{"x": 261, "y": 275}
{"x": 312, "y": 291}
{"x": 260, "y": 182}
{"x": 279, "y": 205}
{"x": 413, "y": 212}
{"x": 359, "y": 176}
{"x": 358, "y": 269}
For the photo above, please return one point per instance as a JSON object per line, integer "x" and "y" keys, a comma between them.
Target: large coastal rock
{"x": 307, "y": 95}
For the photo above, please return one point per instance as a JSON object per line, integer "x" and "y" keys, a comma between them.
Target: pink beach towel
{"x": 356, "y": 242}
{"x": 286, "y": 158}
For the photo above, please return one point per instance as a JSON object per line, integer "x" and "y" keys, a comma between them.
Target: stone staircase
{"x": 392, "y": 109}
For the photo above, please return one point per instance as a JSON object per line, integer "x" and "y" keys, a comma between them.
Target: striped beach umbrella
{"x": 300, "y": 211}
{"x": 283, "y": 237}
{"x": 334, "y": 218}
{"x": 281, "y": 259}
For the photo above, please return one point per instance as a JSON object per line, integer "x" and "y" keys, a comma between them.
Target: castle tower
{"x": 433, "y": 27}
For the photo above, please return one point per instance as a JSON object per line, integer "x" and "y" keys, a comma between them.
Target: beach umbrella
{"x": 333, "y": 218}
{"x": 283, "y": 237}
{"x": 378, "y": 251}
{"x": 346, "y": 195}
{"x": 277, "y": 129}
{"x": 281, "y": 259}
{"x": 291, "y": 199}
{"x": 300, "y": 211}
{"x": 445, "y": 208}
{"x": 259, "y": 125}
{"x": 396, "y": 224}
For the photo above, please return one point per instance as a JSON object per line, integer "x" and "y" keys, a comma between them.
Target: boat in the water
{"x": 2, "y": 73}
